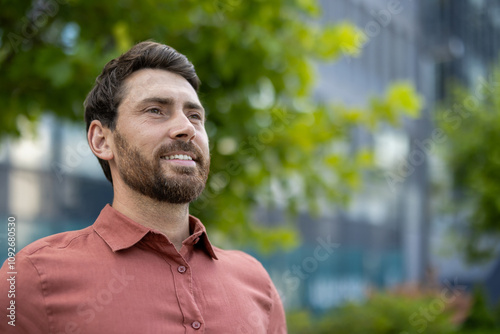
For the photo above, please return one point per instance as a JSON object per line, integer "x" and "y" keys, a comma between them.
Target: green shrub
{"x": 300, "y": 322}
{"x": 480, "y": 319}
{"x": 380, "y": 314}
{"x": 478, "y": 331}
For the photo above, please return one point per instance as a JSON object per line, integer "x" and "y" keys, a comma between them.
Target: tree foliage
{"x": 471, "y": 121}
{"x": 271, "y": 143}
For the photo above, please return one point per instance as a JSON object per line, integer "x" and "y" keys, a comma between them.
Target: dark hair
{"x": 103, "y": 100}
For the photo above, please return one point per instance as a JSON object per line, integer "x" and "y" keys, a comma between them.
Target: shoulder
{"x": 57, "y": 243}
{"x": 51, "y": 258}
{"x": 243, "y": 264}
{"x": 237, "y": 257}
{"x": 40, "y": 267}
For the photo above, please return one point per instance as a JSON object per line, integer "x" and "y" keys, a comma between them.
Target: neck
{"x": 170, "y": 219}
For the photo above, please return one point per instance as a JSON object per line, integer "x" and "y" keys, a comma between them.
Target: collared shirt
{"x": 118, "y": 276}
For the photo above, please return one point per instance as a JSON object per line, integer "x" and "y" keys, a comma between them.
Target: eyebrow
{"x": 168, "y": 101}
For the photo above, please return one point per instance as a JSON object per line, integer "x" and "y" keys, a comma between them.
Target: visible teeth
{"x": 178, "y": 156}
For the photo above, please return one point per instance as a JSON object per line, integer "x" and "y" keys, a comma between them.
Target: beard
{"x": 149, "y": 178}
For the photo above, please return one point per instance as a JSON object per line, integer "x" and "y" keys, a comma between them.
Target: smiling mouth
{"x": 177, "y": 157}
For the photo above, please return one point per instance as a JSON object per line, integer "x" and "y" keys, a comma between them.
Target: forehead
{"x": 148, "y": 82}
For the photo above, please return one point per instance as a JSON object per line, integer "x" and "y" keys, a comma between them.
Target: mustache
{"x": 181, "y": 146}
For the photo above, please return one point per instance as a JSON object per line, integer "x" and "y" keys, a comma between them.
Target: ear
{"x": 100, "y": 139}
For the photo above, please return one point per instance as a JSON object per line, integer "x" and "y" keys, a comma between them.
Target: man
{"x": 145, "y": 265}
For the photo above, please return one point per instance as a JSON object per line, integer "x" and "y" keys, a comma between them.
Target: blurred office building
{"x": 391, "y": 234}
{"x": 51, "y": 182}
{"x": 463, "y": 39}
{"x": 387, "y": 235}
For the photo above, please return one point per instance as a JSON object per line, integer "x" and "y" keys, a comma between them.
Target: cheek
{"x": 203, "y": 141}
{"x": 148, "y": 137}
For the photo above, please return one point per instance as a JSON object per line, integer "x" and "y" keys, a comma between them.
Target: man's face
{"x": 161, "y": 146}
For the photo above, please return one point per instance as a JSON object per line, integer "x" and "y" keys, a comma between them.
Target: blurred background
{"x": 354, "y": 144}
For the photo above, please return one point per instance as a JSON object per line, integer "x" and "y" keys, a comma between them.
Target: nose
{"x": 182, "y": 128}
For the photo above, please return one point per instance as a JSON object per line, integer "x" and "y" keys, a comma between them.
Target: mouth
{"x": 180, "y": 158}
{"x": 177, "y": 157}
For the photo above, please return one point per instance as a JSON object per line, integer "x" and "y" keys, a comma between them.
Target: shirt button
{"x": 181, "y": 269}
{"x": 196, "y": 325}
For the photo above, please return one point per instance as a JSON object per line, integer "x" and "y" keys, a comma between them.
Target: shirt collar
{"x": 121, "y": 232}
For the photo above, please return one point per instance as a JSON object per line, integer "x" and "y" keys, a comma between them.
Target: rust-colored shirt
{"x": 118, "y": 276}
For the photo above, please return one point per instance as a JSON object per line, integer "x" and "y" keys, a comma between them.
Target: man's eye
{"x": 195, "y": 116}
{"x": 154, "y": 111}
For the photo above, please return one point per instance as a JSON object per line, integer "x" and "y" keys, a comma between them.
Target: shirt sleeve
{"x": 277, "y": 319}
{"x": 21, "y": 298}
